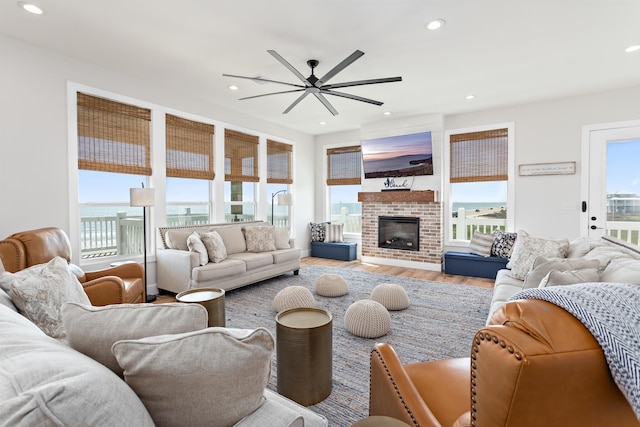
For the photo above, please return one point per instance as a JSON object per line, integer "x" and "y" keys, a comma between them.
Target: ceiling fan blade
{"x": 289, "y": 66}
{"x": 268, "y": 94}
{"x": 326, "y": 103}
{"x": 341, "y": 66}
{"x": 260, "y": 79}
{"x": 363, "y": 82}
{"x": 300, "y": 98}
{"x": 349, "y": 96}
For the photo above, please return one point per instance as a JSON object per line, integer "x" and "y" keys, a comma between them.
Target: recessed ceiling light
{"x": 323, "y": 123}
{"x": 233, "y": 87}
{"x": 31, "y": 8}
{"x": 469, "y": 97}
{"x": 633, "y": 48}
{"x": 436, "y": 24}
{"x": 387, "y": 113}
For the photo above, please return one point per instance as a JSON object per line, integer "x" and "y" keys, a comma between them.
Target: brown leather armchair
{"x": 117, "y": 285}
{"x": 534, "y": 365}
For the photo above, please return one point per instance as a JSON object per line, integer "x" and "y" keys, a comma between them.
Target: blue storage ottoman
{"x": 464, "y": 264}
{"x": 341, "y": 251}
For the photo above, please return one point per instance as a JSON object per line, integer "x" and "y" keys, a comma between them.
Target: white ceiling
{"x": 503, "y": 51}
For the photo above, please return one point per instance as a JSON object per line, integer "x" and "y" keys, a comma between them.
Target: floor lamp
{"x": 283, "y": 200}
{"x": 144, "y": 197}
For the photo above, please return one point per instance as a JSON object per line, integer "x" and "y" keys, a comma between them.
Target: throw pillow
{"x": 527, "y": 248}
{"x": 318, "y": 231}
{"x": 334, "y": 233}
{"x": 282, "y": 238}
{"x": 622, "y": 270}
{"x": 260, "y": 238}
{"x": 604, "y": 255}
{"x": 503, "y": 243}
{"x": 93, "y": 330}
{"x": 220, "y": 374}
{"x": 6, "y": 277}
{"x": 195, "y": 244}
{"x": 570, "y": 277}
{"x": 40, "y": 297}
{"x": 216, "y": 250}
{"x": 177, "y": 239}
{"x": 543, "y": 265}
{"x": 481, "y": 243}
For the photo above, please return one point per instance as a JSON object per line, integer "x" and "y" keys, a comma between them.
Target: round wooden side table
{"x": 211, "y": 298}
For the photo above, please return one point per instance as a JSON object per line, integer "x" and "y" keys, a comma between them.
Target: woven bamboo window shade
{"x": 113, "y": 137}
{"x": 189, "y": 148}
{"x": 240, "y": 157}
{"x": 479, "y": 156}
{"x": 344, "y": 165}
{"x": 279, "y": 163}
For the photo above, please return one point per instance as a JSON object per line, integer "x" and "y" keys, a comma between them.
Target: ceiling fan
{"x": 318, "y": 86}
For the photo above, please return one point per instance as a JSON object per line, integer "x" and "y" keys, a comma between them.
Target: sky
{"x": 623, "y": 166}
{"x": 394, "y": 146}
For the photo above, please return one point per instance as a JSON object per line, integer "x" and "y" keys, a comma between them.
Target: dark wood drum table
{"x": 304, "y": 341}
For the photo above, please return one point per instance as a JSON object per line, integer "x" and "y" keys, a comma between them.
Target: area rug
{"x": 439, "y": 324}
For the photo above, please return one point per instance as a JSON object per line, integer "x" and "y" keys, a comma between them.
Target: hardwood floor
{"x": 412, "y": 273}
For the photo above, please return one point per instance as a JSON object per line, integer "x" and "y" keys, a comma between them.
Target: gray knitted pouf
{"x": 367, "y": 318}
{"x": 391, "y": 296}
{"x": 331, "y": 285}
{"x": 293, "y": 297}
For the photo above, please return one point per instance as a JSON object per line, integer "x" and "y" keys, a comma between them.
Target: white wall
{"x": 545, "y": 132}
{"x": 34, "y": 155}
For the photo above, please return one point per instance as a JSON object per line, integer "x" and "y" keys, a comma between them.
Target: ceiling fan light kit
{"x": 318, "y": 87}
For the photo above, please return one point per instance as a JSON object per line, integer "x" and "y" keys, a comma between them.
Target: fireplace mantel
{"x": 397, "y": 196}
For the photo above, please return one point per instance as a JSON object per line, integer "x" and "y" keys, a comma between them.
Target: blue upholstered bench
{"x": 464, "y": 264}
{"x": 342, "y": 251}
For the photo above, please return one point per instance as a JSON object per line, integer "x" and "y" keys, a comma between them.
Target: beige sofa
{"x": 249, "y": 258}
{"x": 541, "y": 262}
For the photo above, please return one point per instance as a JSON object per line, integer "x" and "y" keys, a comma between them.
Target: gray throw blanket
{"x": 611, "y": 312}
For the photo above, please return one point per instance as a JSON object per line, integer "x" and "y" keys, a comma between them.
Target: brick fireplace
{"x": 410, "y": 204}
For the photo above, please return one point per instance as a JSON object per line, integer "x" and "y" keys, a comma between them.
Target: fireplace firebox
{"x": 399, "y": 232}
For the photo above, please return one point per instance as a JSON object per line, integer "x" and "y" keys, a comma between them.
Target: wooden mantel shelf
{"x": 397, "y": 196}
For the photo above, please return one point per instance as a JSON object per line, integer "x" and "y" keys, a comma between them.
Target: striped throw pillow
{"x": 481, "y": 243}
{"x": 334, "y": 233}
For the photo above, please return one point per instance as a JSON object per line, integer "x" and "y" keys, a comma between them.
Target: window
{"x": 189, "y": 170}
{"x": 113, "y": 156}
{"x": 279, "y": 177}
{"x": 479, "y": 170}
{"x": 344, "y": 174}
{"x": 240, "y": 175}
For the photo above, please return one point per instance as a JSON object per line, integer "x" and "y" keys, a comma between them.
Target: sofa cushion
{"x": 605, "y": 254}
{"x": 570, "y": 277}
{"x": 622, "y": 270}
{"x": 216, "y": 250}
{"x": 260, "y": 238}
{"x": 5, "y": 300}
{"x": 40, "y": 297}
{"x": 481, "y": 243}
{"x": 228, "y": 267}
{"x": 177, "y": 239}
{"x": 286, "y": 255}
{"x": 278, "y": 411}
{"x": 219, "y": 374}
{"x": 503, "y": 244}
{"x": 281, "y": 236}
{"x": 581, "y": 246}
{"x": 254, "y": 260}
{"x": 527, "y": 248}
{"x": 233, "y": 239}
{"x": 543, "y": 265}
{"x": 93, "y": 330}
{"x": 195, "y": 244}
{"x": 44, "y": 382}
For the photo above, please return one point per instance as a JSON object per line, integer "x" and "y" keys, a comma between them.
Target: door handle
{"x": 584, "y": 206}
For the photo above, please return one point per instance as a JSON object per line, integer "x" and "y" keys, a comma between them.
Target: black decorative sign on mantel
{"x": 402, "y": 184}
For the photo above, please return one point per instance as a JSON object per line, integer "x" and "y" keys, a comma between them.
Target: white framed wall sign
{"x": 560, "y": 168}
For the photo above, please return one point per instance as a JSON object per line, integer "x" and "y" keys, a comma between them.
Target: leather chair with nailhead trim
{"x": 534, "y": 365}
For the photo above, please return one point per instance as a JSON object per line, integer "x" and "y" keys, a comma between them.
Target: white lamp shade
{"x": 142, "y": 196}
{"x": 285, "y": 199}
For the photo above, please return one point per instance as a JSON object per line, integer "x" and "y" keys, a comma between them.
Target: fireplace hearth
{"x": 399, "y": 232}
